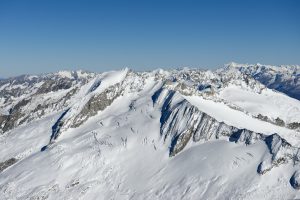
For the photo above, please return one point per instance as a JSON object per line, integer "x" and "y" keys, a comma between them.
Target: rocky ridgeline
{"x": 96, "y": 103}
{"x": 80, "y": 96}
{"x": 27, "y": 98}
{"x": 93, "y": 102}
{"x": 283, "y": 78}
{"x": 7, "y": 163}
{"x": 182, "y": 123}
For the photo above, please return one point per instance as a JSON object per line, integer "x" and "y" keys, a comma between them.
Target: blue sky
{"x": 44, "y": 36}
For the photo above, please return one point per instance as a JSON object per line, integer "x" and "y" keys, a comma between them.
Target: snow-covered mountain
{"x": 233, "y": 133}
{"x": 284, "y": 78}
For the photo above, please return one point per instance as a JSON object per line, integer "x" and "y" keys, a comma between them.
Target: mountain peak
{"x": 91, "y": 134}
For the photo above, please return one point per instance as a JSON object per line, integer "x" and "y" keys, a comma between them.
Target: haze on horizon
{"x": 46, "y": 36}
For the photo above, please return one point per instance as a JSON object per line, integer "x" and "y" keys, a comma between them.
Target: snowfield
{"x": 269, "y": 103}
{"x": 147, "y": 135}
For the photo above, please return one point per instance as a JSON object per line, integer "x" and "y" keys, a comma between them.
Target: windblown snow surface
{"x": 124, "y": 150}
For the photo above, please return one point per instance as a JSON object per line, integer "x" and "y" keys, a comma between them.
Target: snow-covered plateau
{"x": 230, "y": 133}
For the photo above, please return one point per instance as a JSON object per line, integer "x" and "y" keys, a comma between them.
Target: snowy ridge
{"x": 182, "y": 122}
{"x": 177, "y": 134}
{"x": 28, "y": 98}
{"x": 102, "y": 90}
{"x": 267, "y": 103}
{"x": 284, "y": 78}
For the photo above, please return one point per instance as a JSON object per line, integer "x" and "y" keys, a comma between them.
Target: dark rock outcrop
{"x": 295, "y": 180}
{"x": 182, "y": 123}
{"x": 96, "y": 103}
{"x": 7, "y": 163}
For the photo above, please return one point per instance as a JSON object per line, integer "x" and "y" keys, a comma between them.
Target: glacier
{"x": 162, "y": 134}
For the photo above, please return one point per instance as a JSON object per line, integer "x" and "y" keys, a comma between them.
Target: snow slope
{"x": 149, "y": 135}
{"x": 128, "y": 160}
{"x": 268, "y": 103}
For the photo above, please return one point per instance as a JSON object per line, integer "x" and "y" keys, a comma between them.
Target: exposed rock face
{"x": 75, "y": 116}
{"x": 17, "y": 114}
{"x": 283, "y": 78}
{"x": 279, "y": 122}
{"x": 32, "y": 97}
{"x": 288, "y": 86}
{"x": 27, "y": 98}
{"x": 295, "y": 180}
{"x": 182, "y": 123}
{"x": 7, "y": 163}
{"x": 281, "y": 152}
{"x": 54, "y": 85}
{"x": 15, "y": 87}
{"x": 57, "y": 126}
{"x": 97, "y": 103}
{"x": 262, "y": 117}
{"x": 294, "y": 125}
{"x": 11, "y": 120}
